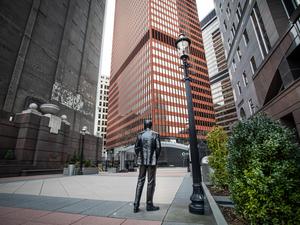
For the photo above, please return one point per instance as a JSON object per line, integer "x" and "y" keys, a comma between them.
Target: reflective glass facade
{"x": 146, "y": 81}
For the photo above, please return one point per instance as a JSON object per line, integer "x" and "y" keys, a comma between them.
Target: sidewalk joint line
{"x": 41, "y": 187}
{"x": 14, "y": 192}
{"x": 117, "y": 209}
{"x": 163, "y": 220}
{"x": 64, "y": 187}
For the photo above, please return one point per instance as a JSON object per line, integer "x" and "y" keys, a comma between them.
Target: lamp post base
{"x": 197, "y": 200}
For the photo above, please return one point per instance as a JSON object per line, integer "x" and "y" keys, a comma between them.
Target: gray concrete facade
{"x": 263, "y": 44}
{"x": 236, "y": 23}
{"x": 49, "y": 52}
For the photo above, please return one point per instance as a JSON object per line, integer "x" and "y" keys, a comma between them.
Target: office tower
{"x": 49, "y": 53}
{"x": 263, "y": 56}
{"x": 146, "y": 81}
{"x": 221, "y": 88}
{"x": 102, "y": 108}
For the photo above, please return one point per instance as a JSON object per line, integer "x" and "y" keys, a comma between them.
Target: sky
{"x": 204, "y": 7}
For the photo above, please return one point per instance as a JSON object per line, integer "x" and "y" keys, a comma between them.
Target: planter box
{"x": 112, "y": 169}
{"x": 217, "y": 214}
{"x": 89, "y": 170}
{"x": 85, "y": 171}
{"x": 65, "y": 171}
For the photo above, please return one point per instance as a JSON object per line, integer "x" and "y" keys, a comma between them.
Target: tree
{"x": 217, "y": 143}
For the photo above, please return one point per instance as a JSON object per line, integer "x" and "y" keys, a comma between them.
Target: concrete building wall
{"x": 49, "y": 52}
{"x": 273, "y": 41}
{"x": 102, "y": 109}
{"x": 227, "y": 13}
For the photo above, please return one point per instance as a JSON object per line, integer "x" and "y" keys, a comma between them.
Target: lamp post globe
{"x": 84, "y": 129}
{"x": 183, "y": 46}
{"x": 197, "y": 201}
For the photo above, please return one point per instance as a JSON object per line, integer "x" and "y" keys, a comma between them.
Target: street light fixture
{"x": 97, "y": 148}
{"x": 197, "y": 201}
{"x": 82, "y": 132}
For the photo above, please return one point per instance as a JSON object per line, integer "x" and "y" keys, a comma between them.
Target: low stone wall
{"x": 41, "y": 142}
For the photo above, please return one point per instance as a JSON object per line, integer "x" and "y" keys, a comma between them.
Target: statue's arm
{"x": 158, "y": 146}
{"x": 138, "y": 145}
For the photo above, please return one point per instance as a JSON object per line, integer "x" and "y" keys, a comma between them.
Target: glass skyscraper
{"x": 146, "y": 81}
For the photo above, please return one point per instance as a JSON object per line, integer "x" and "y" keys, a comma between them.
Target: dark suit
{"x": 147, "y": 149}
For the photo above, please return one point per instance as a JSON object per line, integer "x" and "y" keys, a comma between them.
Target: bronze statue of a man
{"x": 147, "y": 148}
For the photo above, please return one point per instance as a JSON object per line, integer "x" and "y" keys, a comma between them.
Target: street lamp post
{"x": 197, "y": 202}
{"x": 82, "y": 132}
{"x": 97, "y": 149}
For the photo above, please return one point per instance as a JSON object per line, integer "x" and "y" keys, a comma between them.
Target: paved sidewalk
{"x": 105, "y": 199}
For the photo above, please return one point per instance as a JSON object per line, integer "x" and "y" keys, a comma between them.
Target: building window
{"x": 242, "y": 113}
{"x": 238, "y": 85}
{"x": 239, "y": 12}
{"x": 253, "y": 65}
{"x": 260, "y": 31}
{"x": 291, "y": 5}
{"x": 234, "y": 65}
{"x": 246, "y": 37}
{"x": 245, "y": 79}
{"x": 229, "y": 43}
{"x": 239, "y": 53}
{"x": 234, "y": 28}
{"x": 225, "y": 25}
{"x": 232, "y": 33}
{"x": 228, "y": 11}
{"x": 251, "y": 106}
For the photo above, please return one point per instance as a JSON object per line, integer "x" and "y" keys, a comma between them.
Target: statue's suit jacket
{"x": 147, "y": 147}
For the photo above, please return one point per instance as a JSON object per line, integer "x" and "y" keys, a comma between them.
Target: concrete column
{"x": 14, "y": 83}
{"x": 28, "y": 122}
{"x": 296, "y": 115}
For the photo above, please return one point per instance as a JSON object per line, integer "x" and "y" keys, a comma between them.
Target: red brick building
{"x": 146, "y": 81}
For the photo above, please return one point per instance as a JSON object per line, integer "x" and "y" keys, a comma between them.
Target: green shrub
{"x": 87, "y": 163}
{"x": 75, "y": 159}
{"x": 9, "y": 155}
{"x": 263, "y": 172}
{"x": 217, "y": 143}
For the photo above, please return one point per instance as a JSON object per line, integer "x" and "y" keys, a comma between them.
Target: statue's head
{"x": 147, "y": 124}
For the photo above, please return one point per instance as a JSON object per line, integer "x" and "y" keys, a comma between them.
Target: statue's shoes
{"x": 152, "y": 208}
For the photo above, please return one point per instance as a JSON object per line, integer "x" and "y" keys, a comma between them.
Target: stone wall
{"x": 50, "y": 52}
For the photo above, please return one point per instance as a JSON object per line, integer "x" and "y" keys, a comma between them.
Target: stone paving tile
{"x": 139, "y": 222}
{"x": 93, "y": 220}
{"x": 25, "y": 214}
{"x": 105, "y": 208}
{"x": 15, "y": 200}
{"x": 32, "y": 187}
{"x": 36, "y": 223}
{"x": 6, "y": 210}
{"x": 181, "y": 214}
{"x": 81, "y": 206}
{"x": 7, "y": 221}
{"x": 59, "y": 218}
{"x": 127, "y": 212}
{"x": 49, "y": 203}
{"x": 175, "y": 223}
{"x": 11, "y": 187}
